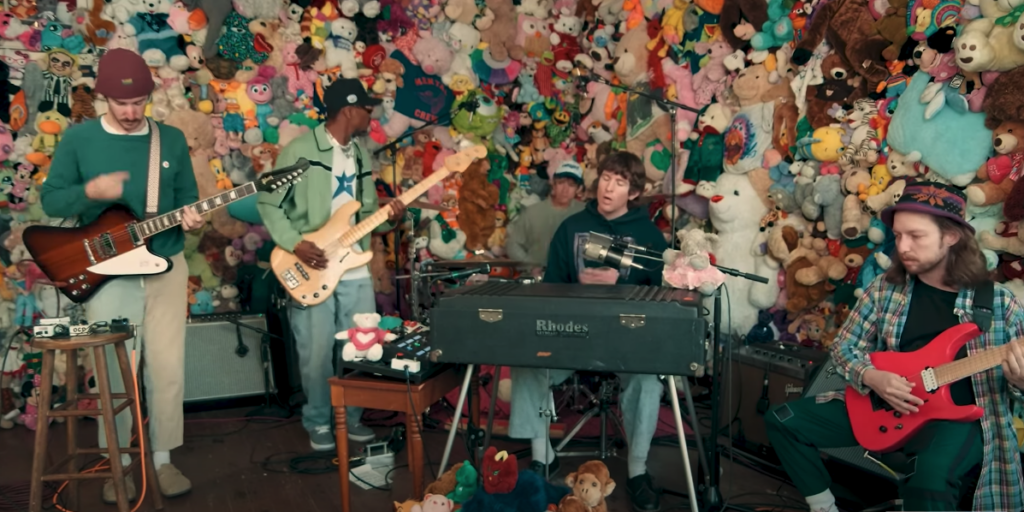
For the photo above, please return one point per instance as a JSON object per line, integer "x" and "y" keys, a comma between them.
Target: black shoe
{"x": 538, "y": 467}
{"x": 642, "y": 494}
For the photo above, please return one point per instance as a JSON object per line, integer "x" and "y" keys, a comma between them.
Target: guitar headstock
{"x": 275, "y": 180}
{"x": 463, "y": 159}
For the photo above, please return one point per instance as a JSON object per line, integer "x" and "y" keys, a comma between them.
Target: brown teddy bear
{"x": 199, "y": 137}
{"x": 645, "y": 123}
{"x": 501, "y": 35}
{"x": 591, "y": 484}
{"x": 849, "y": 27}
{"x": 1004, "y": 115}
{"x": 477, "y": 198}
{"x": 807, "y": 270}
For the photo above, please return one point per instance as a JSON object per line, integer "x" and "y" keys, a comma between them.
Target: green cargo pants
{"x": 945, "y": 452}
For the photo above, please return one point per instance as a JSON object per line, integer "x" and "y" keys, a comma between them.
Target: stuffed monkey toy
{"x": 591, "y": 484}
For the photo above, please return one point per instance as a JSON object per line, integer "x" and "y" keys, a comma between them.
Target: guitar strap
{"x": 153, "y": 180}
{"x": 984, "y": 301}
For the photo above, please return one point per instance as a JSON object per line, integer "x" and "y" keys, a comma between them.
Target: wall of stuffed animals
{"x": 814, "y": 115}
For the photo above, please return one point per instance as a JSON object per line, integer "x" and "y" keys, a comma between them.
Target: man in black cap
{"x": 343, "y": 172}
{"x": 938, "y": 279}
{"x": 107, "y": 161}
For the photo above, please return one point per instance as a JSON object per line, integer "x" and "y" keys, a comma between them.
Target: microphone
{"x": 459, "y": 274}
{"x": 603, "y": 249}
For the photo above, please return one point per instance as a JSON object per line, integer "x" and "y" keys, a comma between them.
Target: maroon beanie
{"x": 123, "y": 75}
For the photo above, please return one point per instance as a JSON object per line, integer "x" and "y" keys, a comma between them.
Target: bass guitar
{"x": 880, "y": 428}
{"x": 80, "y": 260}
{"x": 336, "y": 238}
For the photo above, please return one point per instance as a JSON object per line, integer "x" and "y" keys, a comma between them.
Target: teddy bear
{"x": 591, "y": 483}
{"x": 986, "y": 44}
{"x": 500, "y": 35}
{"x": 645, "y": 122}
{"x": 340, "y": 51}
{"x": 749, "y": 134}
{"x": 705, "y": 146}
{"x": 741, "y": 201}
{"x": 849, "y": 27}
{"x": 828, "y": 200}
{"x": 365, "y": 339}
{"x": 477, "y": 199}
{"x": 433, "y": 503}
{"x": 691, "y": 267}
{"x": 565, "y": 40}
{"x": 158, "y": 43}
{"x": 807, "y": 271}
{"x": 1004, "y": 115}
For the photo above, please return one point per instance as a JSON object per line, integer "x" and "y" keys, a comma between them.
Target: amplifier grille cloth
{"x": 212, "y": 368}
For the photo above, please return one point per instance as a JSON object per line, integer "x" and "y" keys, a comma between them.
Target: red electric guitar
{"x": 879, "y": 428}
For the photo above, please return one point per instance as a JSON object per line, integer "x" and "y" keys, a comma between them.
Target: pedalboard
{"x": 61, "y": 327}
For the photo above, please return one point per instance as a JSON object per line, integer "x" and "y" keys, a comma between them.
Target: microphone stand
{"x": 393, "y": 147}
{"x": 267, "y": 409}
{"x": 671, "y": 107}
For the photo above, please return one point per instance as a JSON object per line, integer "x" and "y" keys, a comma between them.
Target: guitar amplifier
{"x": 765, "y": 375}
{"x": 792, "y": 372}
{"x": 225, "y": 360}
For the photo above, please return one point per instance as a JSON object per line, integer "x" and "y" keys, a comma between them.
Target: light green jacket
{"x": 290, "y": 212}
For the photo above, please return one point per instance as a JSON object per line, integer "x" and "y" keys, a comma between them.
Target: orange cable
{"x": 142, "y": 448}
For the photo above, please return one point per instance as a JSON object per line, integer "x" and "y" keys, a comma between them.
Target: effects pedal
{"x": 413, "y": 347}
{"x": 50, "y": 331}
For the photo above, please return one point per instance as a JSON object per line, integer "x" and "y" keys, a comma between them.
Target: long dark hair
{"x": 965, "y": 263}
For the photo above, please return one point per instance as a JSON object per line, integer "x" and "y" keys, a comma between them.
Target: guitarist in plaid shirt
{"x": 929, "y": 288}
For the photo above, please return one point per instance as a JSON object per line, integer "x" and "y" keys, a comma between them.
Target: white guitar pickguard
{"x": 138, "y": 261}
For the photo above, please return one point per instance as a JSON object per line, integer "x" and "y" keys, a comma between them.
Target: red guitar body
{"x": 879, "y": 428}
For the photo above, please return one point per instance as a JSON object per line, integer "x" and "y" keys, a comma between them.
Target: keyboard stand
{"x": 676, "y": 413}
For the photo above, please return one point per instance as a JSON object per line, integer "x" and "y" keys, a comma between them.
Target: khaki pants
{"x": 157, "y": 306}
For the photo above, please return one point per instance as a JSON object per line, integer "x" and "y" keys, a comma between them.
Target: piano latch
{"x": 490, "y": 315}
{"x": 633, "y": 321}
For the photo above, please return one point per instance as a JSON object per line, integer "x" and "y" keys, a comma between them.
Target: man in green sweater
{"x": 106, "y": 161}
{"x": 342, "y": 172}
{"x": 529, "y": 235}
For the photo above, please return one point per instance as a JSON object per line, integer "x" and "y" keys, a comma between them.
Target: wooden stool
{"x": 70, "y": 410}
{"x": 388, "y": 395}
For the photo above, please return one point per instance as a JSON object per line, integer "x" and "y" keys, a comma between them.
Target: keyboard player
{"x": 614, "y": 213}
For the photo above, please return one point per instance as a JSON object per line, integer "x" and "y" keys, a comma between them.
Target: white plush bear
{"x": 736, "y": 212}
{"x": 365, "y": 339}
{"x": 340, "y": 49}
{"x": 462, "y": 39}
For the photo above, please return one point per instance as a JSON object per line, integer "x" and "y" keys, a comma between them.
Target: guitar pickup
{"x": 289, "y": 279}
{"x": 302, "y": 271}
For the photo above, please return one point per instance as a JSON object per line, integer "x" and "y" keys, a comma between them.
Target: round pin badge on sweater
{"x": 166, "y": 164}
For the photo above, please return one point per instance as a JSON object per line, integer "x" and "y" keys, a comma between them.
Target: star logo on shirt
{"x": 345, "y": 184}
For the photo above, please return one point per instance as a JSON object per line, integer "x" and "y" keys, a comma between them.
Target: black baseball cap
{"x": 347, "y": 92}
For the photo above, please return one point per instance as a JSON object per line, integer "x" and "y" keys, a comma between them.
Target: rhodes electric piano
{"x": 627, "y": 328}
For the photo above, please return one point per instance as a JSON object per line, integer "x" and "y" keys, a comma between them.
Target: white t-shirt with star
{"x": 344, "y": 172}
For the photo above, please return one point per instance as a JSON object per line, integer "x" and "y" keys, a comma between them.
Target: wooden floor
{"x": 224, "y": 457}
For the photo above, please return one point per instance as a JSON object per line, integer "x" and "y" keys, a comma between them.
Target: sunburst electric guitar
{"x": 80, "y": 260}
{"x": 309, "y": 286}
{"x": 880, "y": 428}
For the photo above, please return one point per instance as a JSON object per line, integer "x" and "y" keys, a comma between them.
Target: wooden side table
{"x": 388, "y": 395}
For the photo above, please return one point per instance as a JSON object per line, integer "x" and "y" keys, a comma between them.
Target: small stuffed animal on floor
{"x": 365, "y": 339}
{"x": 591, "y": 484}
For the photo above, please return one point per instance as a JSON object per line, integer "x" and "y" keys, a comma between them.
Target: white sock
{"x": 822, "y": 502}
{"x": 636, "y": 467}
{"x": 542, "y": 450}
{"x": 161, "y": 458}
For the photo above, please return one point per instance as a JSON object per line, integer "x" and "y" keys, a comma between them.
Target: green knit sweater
{"x": 87, "y": 151}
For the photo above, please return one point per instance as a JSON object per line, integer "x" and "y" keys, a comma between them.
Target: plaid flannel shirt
{"x": 876, "y": 324}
